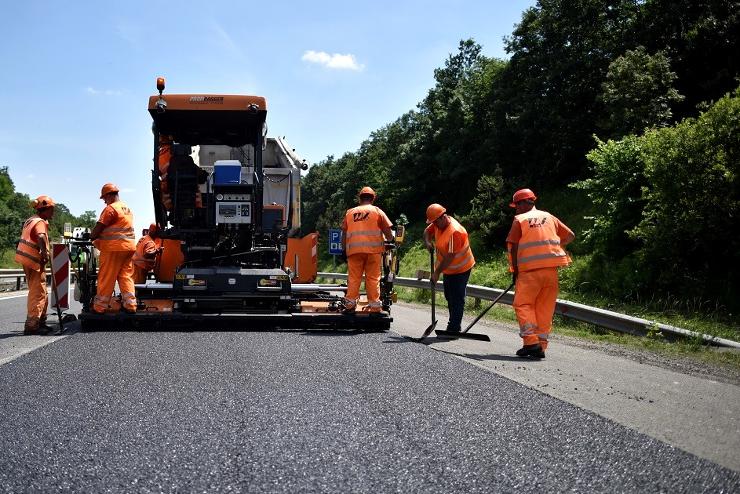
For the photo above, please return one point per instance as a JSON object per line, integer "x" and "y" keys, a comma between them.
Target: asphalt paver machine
{"x": 227, "y": 207}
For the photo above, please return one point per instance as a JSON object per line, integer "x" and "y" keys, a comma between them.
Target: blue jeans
{"x": 455, "y": 285}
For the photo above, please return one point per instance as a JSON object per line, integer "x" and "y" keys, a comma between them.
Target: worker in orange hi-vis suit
{"x": 363, "y": 232}
{"x": 114, "y": 236}
{"x": 32, "y": 253}
{"x": 146, "y": 253}
{"x": 535, "y": 243}
{"x": 454, "y": 259}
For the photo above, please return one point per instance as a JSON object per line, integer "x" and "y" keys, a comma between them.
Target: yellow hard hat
{"x": 434, "y": 211}
{"x": 108, "y": 189}
{"x": 42, "y": 202}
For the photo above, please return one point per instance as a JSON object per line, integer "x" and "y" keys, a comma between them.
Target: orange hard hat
{"x": 367, "y": 191}
{"x": 42, "y": 202}
{"x": 434, "y": 211}
{"x": 108, "y": 189}
{"x": 521, "y": 195}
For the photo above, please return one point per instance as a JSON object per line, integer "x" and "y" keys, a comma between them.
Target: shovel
{"x": 473, "y": 336}
{"x": 429, "y": 330}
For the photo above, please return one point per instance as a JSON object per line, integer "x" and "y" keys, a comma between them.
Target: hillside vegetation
{"x": 623, "y": 116}
{"x": 15, "y": 208}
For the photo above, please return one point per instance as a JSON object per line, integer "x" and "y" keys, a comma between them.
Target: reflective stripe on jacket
{"x": 463, "y": 259}
{"x": 539, "y": 246}
{"x": 146, "y": 245}
{"x": 119, "y": 236}
{"x": 363, "y": 235}
{"x": 28, "y": 252}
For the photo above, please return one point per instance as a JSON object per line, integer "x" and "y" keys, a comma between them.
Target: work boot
{"x": 31, "y": 326}
{"x": 534, "y": 351}
{"x": 347, "y": 306}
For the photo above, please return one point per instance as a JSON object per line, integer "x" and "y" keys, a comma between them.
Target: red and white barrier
{"x": 60, "y": 272}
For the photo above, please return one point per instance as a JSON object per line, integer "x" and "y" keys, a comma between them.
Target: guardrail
{"x": 579, "y": 312}
{"x": 18, "y": 274}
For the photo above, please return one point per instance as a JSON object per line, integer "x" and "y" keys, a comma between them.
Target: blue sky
{"x": 75, "y": 77}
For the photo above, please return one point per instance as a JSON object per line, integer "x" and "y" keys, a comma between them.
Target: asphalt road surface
{"x": 304, "y": 411}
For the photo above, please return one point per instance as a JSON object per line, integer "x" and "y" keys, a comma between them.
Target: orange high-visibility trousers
{"x": 38, "y": 299}
{"x": 534, "y": 304}
{"x": 115, "y": 266}
{"x": 370, "y": 265}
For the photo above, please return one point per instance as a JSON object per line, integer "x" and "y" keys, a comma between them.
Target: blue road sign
{"x": 335, "y": 242}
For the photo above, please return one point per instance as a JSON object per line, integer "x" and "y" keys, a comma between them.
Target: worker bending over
{"x": 146, "y": 253}
{"x": 535, "y": 243}
{"x": 363, "y": 230}
{"x": 454, "y": 259}
{"x": 114, "y": 236}
{"x": 32, "y": 253}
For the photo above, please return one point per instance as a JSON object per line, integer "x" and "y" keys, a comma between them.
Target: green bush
{"x": 667, "y": 209}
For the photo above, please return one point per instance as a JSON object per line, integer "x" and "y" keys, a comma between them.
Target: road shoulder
{"x": 695, "y": 413}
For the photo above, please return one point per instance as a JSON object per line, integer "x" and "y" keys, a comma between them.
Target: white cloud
{"x": 127, "y": 190}
{"x": 333, "y": 61}
{"x": 104, "y": 92}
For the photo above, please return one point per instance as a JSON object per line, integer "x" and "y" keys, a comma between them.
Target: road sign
{"x": 335, "y": 242}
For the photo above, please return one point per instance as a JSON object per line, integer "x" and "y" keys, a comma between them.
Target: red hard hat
{"x": 108, "y": 189}
{"x": 367, "y": 191}
{"x": 434, "y": 211}
{"x": 521, "y": 195}
{"x": 42, "y": 202}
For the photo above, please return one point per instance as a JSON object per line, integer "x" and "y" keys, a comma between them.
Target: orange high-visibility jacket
{"x": 363, "y": 226}
{"x": 463, "y": 259}
{"x": 119, "y": 235}
{"x": 28, "y": 251}
{"x": 539, "y": 246}
{"x": 146, "y": 245}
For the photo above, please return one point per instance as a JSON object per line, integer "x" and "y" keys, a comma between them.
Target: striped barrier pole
{"x": 60, "y": 272}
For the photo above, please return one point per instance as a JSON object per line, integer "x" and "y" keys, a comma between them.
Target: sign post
{"x": 335, "y": 244}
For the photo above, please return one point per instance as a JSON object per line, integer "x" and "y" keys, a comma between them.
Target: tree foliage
{"x": 576, "y": 69}
{"x": 638, "y": 92}
{"x": 669, "y": 203}
{"x": 15, "y": 208}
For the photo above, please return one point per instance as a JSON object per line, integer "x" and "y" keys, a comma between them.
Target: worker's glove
{"x": 85, "y": 236}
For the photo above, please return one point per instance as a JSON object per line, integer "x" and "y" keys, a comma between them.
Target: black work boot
{"x": 534, "y": 351}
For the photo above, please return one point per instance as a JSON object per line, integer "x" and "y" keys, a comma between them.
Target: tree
{"x": 638, "y": 92}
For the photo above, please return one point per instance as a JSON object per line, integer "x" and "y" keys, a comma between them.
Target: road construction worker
{"x": 535, "y": 244}
{"x": 363, "y": 232}
{"x": 32, "y": 253}
{"x": 454, "y": 259}
{"x": 146, "y": 253}
{"x": 114, "y": 236}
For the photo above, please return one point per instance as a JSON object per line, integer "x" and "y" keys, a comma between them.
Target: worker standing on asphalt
{"x": 32, "y": 253}
{"x": 363, "y": 230}
{"x": 146, "y": 253}
{"x": 114, "y": 236}
{"x": 535, "y": 244}
{"x": 454, "y": 259}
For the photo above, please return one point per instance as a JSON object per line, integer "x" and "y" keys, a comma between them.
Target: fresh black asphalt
{"x": 300, "y": 411}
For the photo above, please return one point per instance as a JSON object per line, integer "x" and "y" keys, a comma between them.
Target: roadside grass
{"x": 6, "y": 259}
